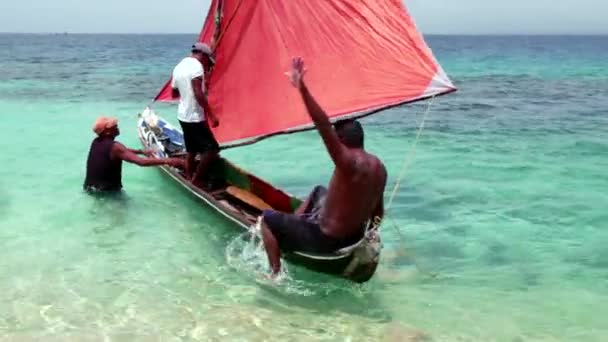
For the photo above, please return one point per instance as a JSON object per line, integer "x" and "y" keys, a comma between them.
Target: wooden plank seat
{"x": 248, "y": 197}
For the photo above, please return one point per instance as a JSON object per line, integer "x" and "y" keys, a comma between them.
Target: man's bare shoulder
{"x": 368, "y": 164}
{"x": 373, "y": 160}
{"x": 118, "y": 149}
{"x": 376, "y": 167}
{"x": 118, "y": 146}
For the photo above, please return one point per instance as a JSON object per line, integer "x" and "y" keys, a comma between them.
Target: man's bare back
{"x": 354, "y": 196}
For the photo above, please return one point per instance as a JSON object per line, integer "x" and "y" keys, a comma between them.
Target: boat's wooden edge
{"x": 227, "y": 162}
{"x": 228, "y": 211}
{"x": 207, "y": 197}
{"x": 235, "y": 215}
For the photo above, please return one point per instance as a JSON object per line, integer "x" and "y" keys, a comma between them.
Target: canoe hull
{"x": 155, "y": 133}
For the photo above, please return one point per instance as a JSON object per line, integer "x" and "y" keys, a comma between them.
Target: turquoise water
{"x": 502, "y": 211}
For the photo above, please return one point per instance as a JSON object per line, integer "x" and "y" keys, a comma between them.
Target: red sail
{"x": 206, "y": 35}
{"x": 362, "y": 56}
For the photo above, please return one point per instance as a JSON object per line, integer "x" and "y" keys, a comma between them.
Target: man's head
{"x": 350, "y": 133}
{"x": 106, "y": 127}
{"x": 203, "y": 53}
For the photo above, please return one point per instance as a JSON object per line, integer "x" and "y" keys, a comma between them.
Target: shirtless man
{"x": 332, "y": 218}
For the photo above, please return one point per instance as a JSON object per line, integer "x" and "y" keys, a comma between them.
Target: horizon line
{"x": 423, "y": 33}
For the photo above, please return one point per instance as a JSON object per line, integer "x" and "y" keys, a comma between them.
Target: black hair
{"x": 350, "y": 132}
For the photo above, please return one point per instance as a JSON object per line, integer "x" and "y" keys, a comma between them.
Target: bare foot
{"x": 273, "y": 277}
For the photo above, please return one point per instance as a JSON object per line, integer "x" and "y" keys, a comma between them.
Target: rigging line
{"x": 409, "y": 155}
{"x": 408, "y": 158}
{"x": 219, "y": 39}
{"x": 218, "y": 20}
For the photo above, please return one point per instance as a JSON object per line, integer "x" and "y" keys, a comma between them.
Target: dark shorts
{"x": 302, "y": 233}
{"x": 198, "y": 138}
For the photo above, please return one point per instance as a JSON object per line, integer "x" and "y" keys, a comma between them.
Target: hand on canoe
{"x": 149, "y": 152}
{"x": 176, "y": 162}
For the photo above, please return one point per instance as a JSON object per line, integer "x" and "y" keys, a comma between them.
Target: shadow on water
{"x": 314, "y": 292}
{"x": 324, "y": 295}
{"x": 305, "y": 289}
{"x": 110, "y": 208}
{"x": 111, "y": 219}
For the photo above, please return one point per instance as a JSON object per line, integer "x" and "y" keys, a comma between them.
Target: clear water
{"x": 503, "y": 211}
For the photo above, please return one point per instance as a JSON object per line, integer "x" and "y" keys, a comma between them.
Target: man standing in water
{"x": 193, "y": 112}
{"x": 104, "y": 164}
{"x": 332, "y": 218}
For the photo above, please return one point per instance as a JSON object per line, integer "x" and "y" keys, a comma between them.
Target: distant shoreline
{"x": 425, "y": 34}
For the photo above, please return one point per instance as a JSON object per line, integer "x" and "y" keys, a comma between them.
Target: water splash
{"x": 246, "y": 254}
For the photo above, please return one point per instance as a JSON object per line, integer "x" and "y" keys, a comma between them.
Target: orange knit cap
{"x": 102, "y": 123}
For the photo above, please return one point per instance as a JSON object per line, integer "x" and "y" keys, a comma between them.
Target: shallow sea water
{"x": 502, "y": 211}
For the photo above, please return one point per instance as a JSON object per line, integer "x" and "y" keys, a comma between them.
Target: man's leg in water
{"x": 273, "y": 251}
{"x": 282, "y": 232}
{"x": 206, "y": 159}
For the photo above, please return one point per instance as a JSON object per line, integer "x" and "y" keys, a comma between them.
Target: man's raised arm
{"x": 338, "y": 152}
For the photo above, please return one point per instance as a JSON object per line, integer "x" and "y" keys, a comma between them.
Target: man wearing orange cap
{"x": 104, "y": 164}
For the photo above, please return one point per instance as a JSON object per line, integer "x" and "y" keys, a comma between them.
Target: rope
{"x": 221, "y": 32}
{"x": 256, "y": 228}
{"x": 404, "y": 167}
{"x": 219, "y": 39}
{"x": 410, "y": 154}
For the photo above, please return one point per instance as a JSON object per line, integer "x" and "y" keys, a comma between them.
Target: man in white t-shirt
{"x": 193, "y": 112}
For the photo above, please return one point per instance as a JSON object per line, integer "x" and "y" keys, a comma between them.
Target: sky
{"x": 431, "y": 16}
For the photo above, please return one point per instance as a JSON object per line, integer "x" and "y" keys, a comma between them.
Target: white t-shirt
{"x": 188, "y": 69}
